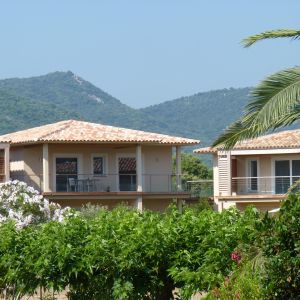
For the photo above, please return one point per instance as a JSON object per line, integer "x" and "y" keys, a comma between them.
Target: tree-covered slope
{"x": 27, "y": 102}
{"x": 75, "y": 95}
{"x": 203, "y": 115}
{"x": 18, "y": 113}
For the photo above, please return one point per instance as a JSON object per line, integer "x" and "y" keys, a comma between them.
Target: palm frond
{"x": 274, "y": 103}
{"x": 275, "y": 97}
{"x": 271, "y": 34}
{"x": 236, "y": 132}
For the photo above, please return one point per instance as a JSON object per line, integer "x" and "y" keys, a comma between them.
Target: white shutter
{"x": 224, "y": 163}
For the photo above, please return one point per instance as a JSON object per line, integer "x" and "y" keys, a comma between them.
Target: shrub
{"x": 281, "y": 245}
{"x": 24, "y": 205}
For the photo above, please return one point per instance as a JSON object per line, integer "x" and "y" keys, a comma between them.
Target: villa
{"x": 256, "y": 172}
{"x": 75, "y": 163}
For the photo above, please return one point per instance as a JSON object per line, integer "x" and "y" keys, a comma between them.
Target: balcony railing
{"x": 262, "y": 185}
{"x": 200, "y": 188}
{"x": 160, "y": 183}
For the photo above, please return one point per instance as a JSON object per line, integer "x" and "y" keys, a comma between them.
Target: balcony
{"x": 272, "y": 185}
{"x": 72, "y": 183}
{"x": 88, "y": 183}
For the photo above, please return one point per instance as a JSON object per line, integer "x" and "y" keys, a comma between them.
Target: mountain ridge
{"x": 65, "y": 94}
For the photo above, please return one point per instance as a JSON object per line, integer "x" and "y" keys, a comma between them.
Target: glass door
{"x": 66, "y": 174}
{"x": 282, "y": 176}
{"x": 253, "y": 184}
{"x": 127, "y": 173}
{"x": 296, "y": 172}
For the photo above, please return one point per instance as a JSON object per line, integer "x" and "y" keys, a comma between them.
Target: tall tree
{"x": 274, "y": 103}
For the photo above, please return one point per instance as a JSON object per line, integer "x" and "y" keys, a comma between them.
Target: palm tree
{"x": 274, "y": 103}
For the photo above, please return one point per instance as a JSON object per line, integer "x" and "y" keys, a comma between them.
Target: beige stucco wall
{"x": 26, "y": 164}
{"x": 157, "y": 163}
{"x": 16, "y": 159}
{"x": 264, "y": 206}
{"x": 264, "y": 170}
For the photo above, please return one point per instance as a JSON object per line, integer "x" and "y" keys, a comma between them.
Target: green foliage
{"x": 245, "y": 282}
{"x": 281, "y": 245}
{"x": 192, "y": 168}
{"x": 124, "y": 254}
{"x": 209, "y": 240}
{"x": 271, "y": 34}
{"x": 274, "y": 103}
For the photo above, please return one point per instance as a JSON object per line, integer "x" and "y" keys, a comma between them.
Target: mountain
{"x": 27, "y": 102}
{"x": 203, "y": 115}
{"x": 18, "y": 112}
{"x": 76, "y": 96}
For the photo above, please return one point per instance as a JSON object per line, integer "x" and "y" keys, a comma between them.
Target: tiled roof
{"x": 206, "y": 150}
{"x": 72, "y": 131}
{"x": 280, "y": 140}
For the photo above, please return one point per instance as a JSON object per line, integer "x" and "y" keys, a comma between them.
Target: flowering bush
{"x": 24, "y": 205}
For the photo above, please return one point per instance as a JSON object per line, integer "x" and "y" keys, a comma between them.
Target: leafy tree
{"x": 192, "y": 168}
{"x": 124, "y": 254}
{"x": 281, "y": 246}
{"x": 274, "y": 103}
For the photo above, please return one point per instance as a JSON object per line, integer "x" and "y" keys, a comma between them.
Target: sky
{"x": 147, "y": 52}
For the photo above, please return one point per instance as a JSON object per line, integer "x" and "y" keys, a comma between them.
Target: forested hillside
{"x": 27, "y": 102}
{"x": 18, "y": 112}
{"x": 203, "y": 115}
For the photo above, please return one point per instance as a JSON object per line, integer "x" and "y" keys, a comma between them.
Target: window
{"x": 287, "y": 172}
{"x": 253, "y": 174}
{"x": 98, "y": 165}
{"x": 66, "y": 170}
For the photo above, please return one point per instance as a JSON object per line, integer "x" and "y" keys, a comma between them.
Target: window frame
{"x": 105, "y": 164}
{"x": 248, "y": 174}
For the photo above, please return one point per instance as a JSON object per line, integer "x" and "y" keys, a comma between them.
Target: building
{"x": 74, "y": 163}
{"x": 258, "y": 171}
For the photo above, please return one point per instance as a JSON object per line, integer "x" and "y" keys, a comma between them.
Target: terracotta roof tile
{"x": 279, "y": 140}
{"x": 79, "y": 131}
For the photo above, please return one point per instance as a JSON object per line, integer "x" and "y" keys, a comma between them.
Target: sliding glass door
{"x": 127, "y": 173}
{"x": 66, "y": 173}
{"x": 287, "y": 172}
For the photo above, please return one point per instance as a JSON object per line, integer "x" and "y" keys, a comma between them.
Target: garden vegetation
{"x": 127, "y": 254}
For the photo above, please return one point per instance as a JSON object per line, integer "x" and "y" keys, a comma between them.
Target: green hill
{"x": 27, "y": 102}
{"x": 18, "y": 112}
{"x": 203, "y": 115}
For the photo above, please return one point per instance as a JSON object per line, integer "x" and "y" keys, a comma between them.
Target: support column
{"x": 139, "y": 177}
{"x": 6, "y": 163}
{"x": 178, "y": 168}
{"x": 45, "y": 168}
{"x": 178, "y": 176}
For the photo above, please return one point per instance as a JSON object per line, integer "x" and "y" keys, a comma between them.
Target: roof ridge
{"x": 65, "y": 125}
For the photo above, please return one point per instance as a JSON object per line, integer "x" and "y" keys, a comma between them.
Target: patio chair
{"x": 72, "y": 184}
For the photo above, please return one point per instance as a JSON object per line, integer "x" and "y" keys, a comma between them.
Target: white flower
{"x": 25, "y": 205}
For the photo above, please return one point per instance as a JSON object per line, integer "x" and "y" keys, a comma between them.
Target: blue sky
{"x": 146, "y": 52}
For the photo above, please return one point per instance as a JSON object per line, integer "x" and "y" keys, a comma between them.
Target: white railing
{"x": 152, "y": 183}
{"x": 262, "y": 185}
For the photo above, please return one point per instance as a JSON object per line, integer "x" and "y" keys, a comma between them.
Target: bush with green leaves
{"x": 125, "y": 254}
{"x": 281, "y": 246}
